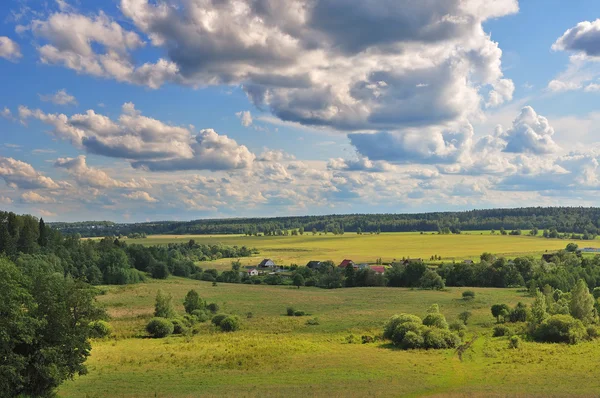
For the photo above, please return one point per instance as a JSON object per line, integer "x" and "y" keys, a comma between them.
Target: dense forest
{"x": 26, "y": 240}
{"x": 562, "y": 219}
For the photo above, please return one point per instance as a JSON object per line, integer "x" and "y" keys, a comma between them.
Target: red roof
{"x": 346, "y": 263}
{"x": 380, "y": 269}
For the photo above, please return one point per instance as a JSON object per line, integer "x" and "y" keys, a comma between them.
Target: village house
{"x": 313, "y": 264}
{"x": 379, "y": 269}
{"x": 411, "y": 261}
{"x": 267, "y": 263}
{"x": 252, "y": 272}
{"x": 468, "y": 262}
{"x": 347, "y": 263}
{"x": 363, "y": 265}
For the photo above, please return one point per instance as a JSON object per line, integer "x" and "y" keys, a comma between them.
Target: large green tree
{"x": 582, "y": 303}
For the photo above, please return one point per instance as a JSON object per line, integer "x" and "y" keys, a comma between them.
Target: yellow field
{"x": 286, "y": 250}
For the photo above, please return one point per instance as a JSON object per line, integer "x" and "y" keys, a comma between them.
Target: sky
{"x": 143, "y": 110}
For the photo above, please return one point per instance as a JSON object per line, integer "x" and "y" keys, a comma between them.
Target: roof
{"x": 378, "y": 268}
{"x": 313, "y": 263}
{"x": 346, "y": 263}
{"x": 265, "y": 261}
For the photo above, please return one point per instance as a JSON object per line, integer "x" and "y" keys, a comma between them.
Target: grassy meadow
{"x": 299, "y": 250}
{"x": 276, "y": 355}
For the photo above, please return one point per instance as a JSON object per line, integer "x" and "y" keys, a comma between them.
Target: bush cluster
{"x": 410, "y": 332}
{"x": 100, "y": 329}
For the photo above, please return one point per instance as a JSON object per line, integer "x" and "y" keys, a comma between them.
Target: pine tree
{"x": 43, "y": 234}
{"x": 582, "y": 302}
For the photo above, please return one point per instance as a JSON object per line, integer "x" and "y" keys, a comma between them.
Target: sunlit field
{"x": 276, "y": 355}
{"x": 286, "y": 250}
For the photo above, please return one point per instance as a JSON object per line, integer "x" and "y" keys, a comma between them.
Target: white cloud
{"x": 530, "y": 133}
{"x": 9, "y": 49}
{"x": 358, "y": 164}
{"x": 61, "y": 97}
{"x": 583, "y": 38}
{"x": 245, "y": 117}
{"x": 92, "y": 177}
{"x": 140, "y": 196}
{"x": 6, "y": 114}
{"x": 19, "y": 174}
{"x": 5, "y": 200}
{"x": 34, "y": 197}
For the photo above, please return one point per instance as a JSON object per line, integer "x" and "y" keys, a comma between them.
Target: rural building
{"x": 267, "y": 263}
{"x": 313, "y": 264}
{"x": 379, "y": 269}
{"x": 347, "y": 263}
{"x": 411, "y": 261}
{"x": 590, "y": 250}
{"x": 363, "y": 266}
{"x": 252, "y": 272}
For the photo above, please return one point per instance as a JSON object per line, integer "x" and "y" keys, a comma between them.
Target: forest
{"x": 561, "y": 219}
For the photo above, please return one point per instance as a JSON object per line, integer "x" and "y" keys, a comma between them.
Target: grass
{"x": 277, "y": 355}
{"x": 299, "y": 250}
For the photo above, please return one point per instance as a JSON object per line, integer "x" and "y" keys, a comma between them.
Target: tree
{"x": 298, "y": 280}
{"x": 45, "y": 328}
{"x": 464, "y": 316}
{"x": 314, "y": 231}
{"x": 192, "y": 302}
{"x": 358, "y": 231}
{"x": 301, "y": 230}
{"x": 582, "y": 303}
{"x": 43, "y": 234}
{"x": 500, "y": 311}
{"x": 349, "y": 274}
{"x": 431, "y": 280}
{"x": 163, "y": 307}
{"x": 572, "y": 247}
{"x": 538, "y": 309}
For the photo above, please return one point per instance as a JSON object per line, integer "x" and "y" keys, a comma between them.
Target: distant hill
{"x": 563, "y": 219}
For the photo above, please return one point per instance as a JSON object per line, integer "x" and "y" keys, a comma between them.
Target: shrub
{"x": 160, "y": 327}
{"x": 519, "y": 313}
{"x": 213, "y": 307}
{"x": 514, "y": 342}
{"x": 592, "y": 332}
{"x": 217, "y": 319}
{"x": 100, "y": 329}
{"x": 367, "y": 339}
{"x": 468, "y": 295}
{"x": 457, "y": 326}
{"x": 163, "y": 307}
{"x": 192, "y": 302}
{"x": 464, "y": 316}
{"x": 290, "y": 311}
{"x": 179, "y": 326}
{"x": 200, "y": 315}
{"x": 159, "y": 271}
{"x": 299, "y": 313}
{"x": 404, "y": 328}
{"x": 230, "y": 323}
{"x": 249, "y": 315}
{"x": 312, "y": 322}
{"x": 560, "y": 329}
{"x": 501, "y": 330}
{"x": 412, "y": 340}
{"x": 440, "y": 339}
{"x": 396, "y": 320}
{"x": 435, "y": 320}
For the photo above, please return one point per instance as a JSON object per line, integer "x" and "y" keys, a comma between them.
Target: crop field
{"x": 277, "y": 355}
{"x": 286, "y": 250}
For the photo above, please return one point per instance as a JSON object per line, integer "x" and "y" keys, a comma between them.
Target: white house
{"x": 252, "y": 272}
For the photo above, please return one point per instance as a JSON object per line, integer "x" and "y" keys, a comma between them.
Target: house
{"x": 379, "y": 269}
{"x": 267, "y": 263}
{"x": 252, "y": 272}
{"x": 468, "y": 262}
{"x": 363, "y": 266}
{"x": 313, "y": 264}
{"x": 347, "y": 263}
{"x": 411, "y": 261}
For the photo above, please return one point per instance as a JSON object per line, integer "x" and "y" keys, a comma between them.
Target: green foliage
{"x": 160, "y": 327}
{"x": 501, "y": 330}
{"x": 431, "y": 280}
{"x": 582, "y": 303}
{"x": 230, "y": 323}
{"x": 213, "y": 308}
{"x": 500, "y": 311}
{"x": 409, "y": 332}
{"x": 298, "y": 280}
{"x": 468, "y": 295}
{"x": 538, "y": 310}
{"x": 560, "y": 329}
{"x": 572, "y": 247}
{"x": 312, "y": 322}
{"x": 519, "y": 313}
{"x": 201, "y": 315}
{"x": 290, "y": 311}
{"x": 514, "y": 342}
{"x": 412, "y": 340}
{"x": 192, "y": 302}
{"x": 299, "y": 313}
{"x": 465, "y": 316}
{"x": 394, "y": 321}
{"x": 180, "y": 326}
{"x": 217, "y": 319}
{"x": 100, "y": 329}
{"x": 159, "y": 270}
{"x": 163, "y": 306}
{"x": 440, "y": 338}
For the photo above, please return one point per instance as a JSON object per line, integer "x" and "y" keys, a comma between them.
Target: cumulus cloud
{"x": 93, "y": 177}
{"x": 270, "y": 155}
{"x": 381, "y": 66}
{"x": 582, "y": 38}
{"x": 245, "y": 117}
{"x": 141, "y": 196}
{"x": 6, "y": 114}
{"x": 9, "y": 49}
{"x": 531, "y": 133}
{"x": 359, "y": 164}
{"x": 34, "y": 197}
{"x": 146, "y": 142}
{"x": 19, "y": 174}
{"x": 61, "y": 97}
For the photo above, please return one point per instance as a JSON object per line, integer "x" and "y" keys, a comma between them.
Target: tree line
{"x": 562, "y": 219}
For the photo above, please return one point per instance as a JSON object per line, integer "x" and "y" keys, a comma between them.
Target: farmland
{"x": 286, "y": 250}
{"x": 276, "y": 355}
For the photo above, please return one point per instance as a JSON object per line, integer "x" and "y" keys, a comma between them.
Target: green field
{"x": 276, "y": 355}
{"x": 286, "y": 250}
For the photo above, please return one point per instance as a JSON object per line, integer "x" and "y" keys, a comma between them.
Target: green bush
{"x": 501, "y": 330}
{"x": 100, "y": 329}
{"x": 299, "y": 313}
{"x": 457, "y": 327}
{"x": 160, "y": 327}
{"x": 560, "y": 329}
{"x": 435, "y": 320}
{"x": 290, "y": 311}
{"x": 200, "y": 315}
{"x": 390, "y": 326}
{"x": 217, "y": 319}
{"x": 514, "y": 342}
{"x": 213, "y": 307}
{"x": 440, "y": 338}
{"x": 312, "y": 322}
{"x": 592, "y": 332}
{"x": 412, "y": 340}
{"x": 192, "y": 302}
{"x": 230, "y": 323}
{"x": 179, "y": 326}
{"x": 468, "y": 295}
{"x": 403, "y": 328}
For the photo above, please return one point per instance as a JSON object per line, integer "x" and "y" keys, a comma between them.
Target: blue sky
{"x": 134, "y": 110}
